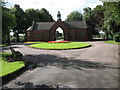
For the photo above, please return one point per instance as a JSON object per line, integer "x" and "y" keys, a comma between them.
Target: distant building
{"x": 45, "y": 31}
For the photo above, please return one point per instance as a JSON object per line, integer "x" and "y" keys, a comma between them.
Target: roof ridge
{"x": 45, "y": 22}
{"x": 74, "y": 21}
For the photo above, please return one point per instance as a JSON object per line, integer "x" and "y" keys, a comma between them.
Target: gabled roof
{"x": 48, "y": 25}
{"x": 75, "y": 24}
{"x": 44, "y": 25}
{"x": 41, "y": 25}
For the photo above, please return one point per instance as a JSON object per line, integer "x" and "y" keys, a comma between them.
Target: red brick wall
{"x": 49, "y": 35}
{"x": 78, "y": 35}
{"x": 38, "y": 35}
{"x": 57, "y": 25}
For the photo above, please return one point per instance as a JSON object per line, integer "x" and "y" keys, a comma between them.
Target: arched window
{"x": 59, "y": 35}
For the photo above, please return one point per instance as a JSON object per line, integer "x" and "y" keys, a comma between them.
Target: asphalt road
{"x": 92, "y": 67}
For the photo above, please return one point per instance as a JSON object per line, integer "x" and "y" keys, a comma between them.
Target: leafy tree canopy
{"x": 45, "y": 15}
{"x": 112, "y": 19}
{"x": 75, "y": 16}
{"x": 8, "y": 22}
{"x": 89, "y": 17}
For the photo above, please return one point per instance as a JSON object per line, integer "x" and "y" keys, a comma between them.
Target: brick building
{"x": 45, "y": 31}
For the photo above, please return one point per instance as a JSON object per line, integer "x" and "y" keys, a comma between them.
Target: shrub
{"x": 116, "y": 38}
{"x": 12, "y": 38}
{"x": 22, "y": 38}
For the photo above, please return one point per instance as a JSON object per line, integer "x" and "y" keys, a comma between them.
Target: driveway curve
{"x": 92, "y": 67}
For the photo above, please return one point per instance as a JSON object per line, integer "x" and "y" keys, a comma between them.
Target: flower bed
{"x": 60, "y": 46}
{"x": 58, "y": 41}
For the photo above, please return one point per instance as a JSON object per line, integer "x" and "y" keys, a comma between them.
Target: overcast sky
{"x": 64, "y": 6}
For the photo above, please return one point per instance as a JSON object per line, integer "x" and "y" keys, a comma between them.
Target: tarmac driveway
{"x": 92, "y": 67}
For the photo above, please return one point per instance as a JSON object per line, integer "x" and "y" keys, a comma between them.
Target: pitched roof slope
{"x": 75, "y": 24}
{"x": 44, "y": 25}
{"x": 48, "y": 25}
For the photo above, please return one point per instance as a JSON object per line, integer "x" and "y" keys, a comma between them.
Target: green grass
{"x": 112, "y": 42}
{"x": 61, "y": 46}
{"x": 9, "y": 67}
{"x": 2, "y": 45}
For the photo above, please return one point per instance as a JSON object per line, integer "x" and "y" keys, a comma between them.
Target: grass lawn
{"x": 2, "y": 45}
{"x": 9, "y": 67}
{"x": 112, "y": 42}
{"x": 61, "y": 46}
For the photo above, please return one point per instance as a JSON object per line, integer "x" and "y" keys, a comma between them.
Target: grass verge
{"x": 60, "y": 46}
{"x": 112, "y": 42}
{"x": 2, "y": 45}
{"x": 9, "y": 67}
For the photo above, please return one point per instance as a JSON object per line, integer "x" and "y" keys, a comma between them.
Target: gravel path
{"x": 92, "y": 67}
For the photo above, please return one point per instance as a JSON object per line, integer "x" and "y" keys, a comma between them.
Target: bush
{"x": 12, "y": 38}
{"x": 22, "y": 38}
{"x": 116, "y": 38}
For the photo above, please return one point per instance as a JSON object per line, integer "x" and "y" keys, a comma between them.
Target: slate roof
{"x": 48, "y": 25}
{"x": 75, "y": 24}
{"x": 44, "y": 25}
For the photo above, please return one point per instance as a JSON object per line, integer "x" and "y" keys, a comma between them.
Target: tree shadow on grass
{"x": 44, "y": 60}
{"x": 65, "y": 63}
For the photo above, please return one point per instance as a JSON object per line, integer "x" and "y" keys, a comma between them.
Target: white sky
{"x": 64, "y": 6}
{"x": 59, "y": 29}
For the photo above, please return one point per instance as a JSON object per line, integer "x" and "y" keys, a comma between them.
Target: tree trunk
{"x": 112, "y": 35}
{"x": 8, "y": 39}
{"x": 17, "y": 36}
{"x": 107, "y": 35}
{"x": 25, "y": 37}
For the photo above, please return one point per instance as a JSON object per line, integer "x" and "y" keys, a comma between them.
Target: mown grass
{"x": 2, "y": 45}
{"x": 61, "y": 46}
{"x": 112, "y": 42}
{"x": 9, "y": 67}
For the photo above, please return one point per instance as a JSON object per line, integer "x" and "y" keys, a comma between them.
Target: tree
{"x": 20, "y": 20}
{"x": 89, "y": 17}
{"x": 111, "y": 21}
{"x": 75, "y": 16}
{"x": 37, "y": 16}
{"x": 32, "y": 15}
{"x": 45, "y": 16}
{"x": 99, "y": 15}
{"x": 8, "y": 22}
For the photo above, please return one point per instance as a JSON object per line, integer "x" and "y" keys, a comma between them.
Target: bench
{"x": 16, "y": 54}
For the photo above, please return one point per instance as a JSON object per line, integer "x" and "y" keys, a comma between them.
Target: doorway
{"x": 59, "y": 34}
